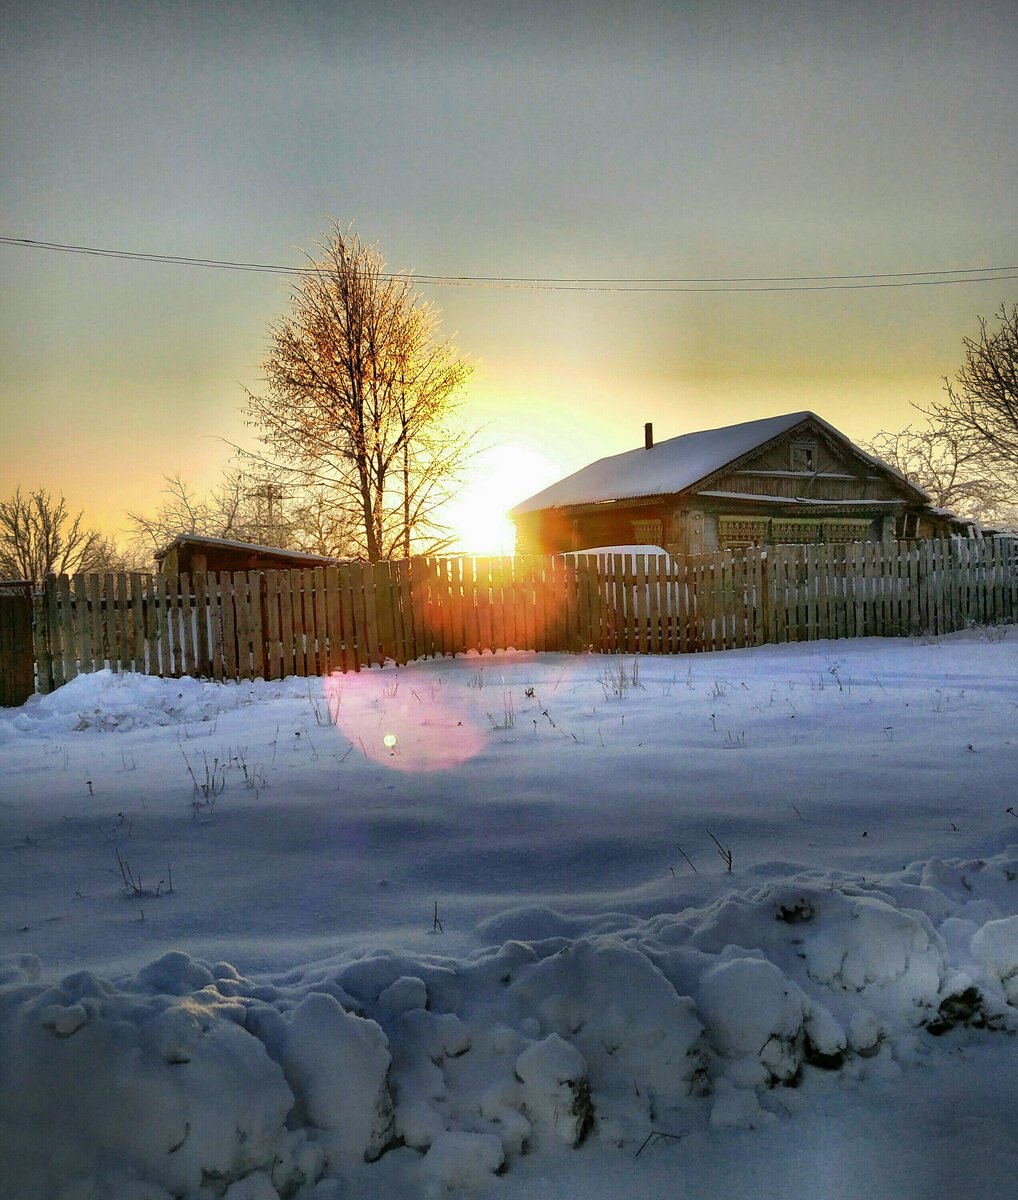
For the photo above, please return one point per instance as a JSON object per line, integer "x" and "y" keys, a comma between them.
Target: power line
{"x": 736, "y": 283}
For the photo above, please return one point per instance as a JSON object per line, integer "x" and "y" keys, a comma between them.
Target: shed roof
{"x": 199, "y": 540}
{"x": 677, "y": 464}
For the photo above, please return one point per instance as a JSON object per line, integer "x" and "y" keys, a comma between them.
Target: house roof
{"x": 678, "y": 464}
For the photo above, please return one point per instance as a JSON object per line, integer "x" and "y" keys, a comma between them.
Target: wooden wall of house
{"x": 555, "y": 531}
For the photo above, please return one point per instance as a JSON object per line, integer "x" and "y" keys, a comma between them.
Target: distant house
{"x": 786, "y": 479}
{"x": 190, "y": 552}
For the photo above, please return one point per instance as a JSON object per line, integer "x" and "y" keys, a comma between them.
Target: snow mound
{"x": 189, "y": 1079}
{"x": 108, "y": 701}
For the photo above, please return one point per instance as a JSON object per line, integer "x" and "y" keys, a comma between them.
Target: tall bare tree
{"x": 362, "y": 399}
{"x": 39, "y": 535}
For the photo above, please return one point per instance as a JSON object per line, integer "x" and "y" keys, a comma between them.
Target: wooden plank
{"x": 727, "y": 632}
{"x": 924, "y": 571}
{"x": 121, "y": 621}
{"x": 561, "y": 578}
{"x": 241, "y": 624}
{"x": 125, "y": 623}
{"x": 49, "y": 637}
{"x": 536, "y": 601}
{"x": 499, "y": 573}
{"x": 856, "y": 590}
{"x": 134, "y": 583}
{"x": 601, "y": 614}
{"x": 997, "y": 575}
{"x": 351, "y": 632}
{"x": 294, "y": 633}
{"x": 372, "y": 640}
{"x": 287, "y": 655}
{"x": 252, "y": 647}
{"x": 317, "y": 577}
{"x": 54, "y": 630}
{"x": 609, "y": 610}
{"x": 742, "y": 631}
{"x": 639, "y": 594}
{"x": 95, "y": 622}
{"x": 653, "y": 606}
{"x": 188, "y": 623}
{"x": 438, "y": 603}
{"x": 311, "y": 638}
{"x": 203, "y": 658}
{"x": 887, "y": 571}
{"x": 420, "y": 591}
{"x": 403, "y": 594}
{"x": 214, "y": 599}
{"x": 227, "y": 597}
{"x": 528, "y": 605}
{"x": 472, "y": 589}
{"x": 314, "y": 619}
{"x": 109, "y": 614}
{"x": 164, "y": 627}
{"x": 403, "y": 610}
{"x": 256, "y": 584}
{"x": 160, "y": 598}
{"x": 385, "y": 611}
{"x": 776, "y": 600}
{"x": 358, "y": 577}
{"x": 479, "y": 586}
{"x": 335, "y": 660}
{"x": 270, "y": 608}
{"x": 595, "y": 581}
{"x": 68, "y": 641}
{"x": 148, "y": 585}
{"x": 714, "y": 614}
{"x": 461, "y": 605}
{"x": 935, "y": 588}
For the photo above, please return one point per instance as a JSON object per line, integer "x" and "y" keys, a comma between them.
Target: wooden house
{"x": 787, "y": 479}
{"x": 190, "y": 552}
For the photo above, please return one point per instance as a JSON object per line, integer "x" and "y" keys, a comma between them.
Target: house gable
{"x": 810, "y": 462}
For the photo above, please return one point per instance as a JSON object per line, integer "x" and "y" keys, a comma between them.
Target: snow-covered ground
{"x": 493, "y": 926}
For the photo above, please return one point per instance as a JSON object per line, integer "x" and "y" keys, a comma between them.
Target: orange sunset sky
{"x": 605, "y": 142}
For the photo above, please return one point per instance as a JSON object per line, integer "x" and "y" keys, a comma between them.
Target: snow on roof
{"x": 197, "y": 539}
{"x": 673, "y": 465}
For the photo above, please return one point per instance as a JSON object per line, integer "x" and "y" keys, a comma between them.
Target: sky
{"x": 559, "y": 141}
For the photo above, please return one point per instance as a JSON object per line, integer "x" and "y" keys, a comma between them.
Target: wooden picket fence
{"x": 312, "y": 622}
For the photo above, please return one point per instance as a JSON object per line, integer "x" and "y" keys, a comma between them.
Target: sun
{"x": 499, "y": 477}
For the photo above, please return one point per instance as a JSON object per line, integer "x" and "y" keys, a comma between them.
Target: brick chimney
{"x": 648, "y": 436}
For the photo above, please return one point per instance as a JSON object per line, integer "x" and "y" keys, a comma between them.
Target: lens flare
{"x": 403, "y": 729}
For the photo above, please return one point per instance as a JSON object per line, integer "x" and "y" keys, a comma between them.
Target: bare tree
{"x": 240, "y": 507}
{"x": 950, "y": 467}
{"x": 981, "y": 407}
{"x": 39, "y": 536}
{"x": 362, "y": 400}
{"x": 966, "y": 454}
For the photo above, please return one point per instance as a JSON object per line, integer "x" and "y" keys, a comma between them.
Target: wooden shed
{"x": 190, "y": 552}
{"x": 786, "y": 479}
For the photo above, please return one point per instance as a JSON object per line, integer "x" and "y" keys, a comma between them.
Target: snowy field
{"x": 729, "y": 925}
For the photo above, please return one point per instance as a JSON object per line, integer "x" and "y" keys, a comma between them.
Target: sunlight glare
{"x": 499, "y": 477}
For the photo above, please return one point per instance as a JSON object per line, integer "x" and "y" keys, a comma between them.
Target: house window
{"x": 804, "y": 457}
